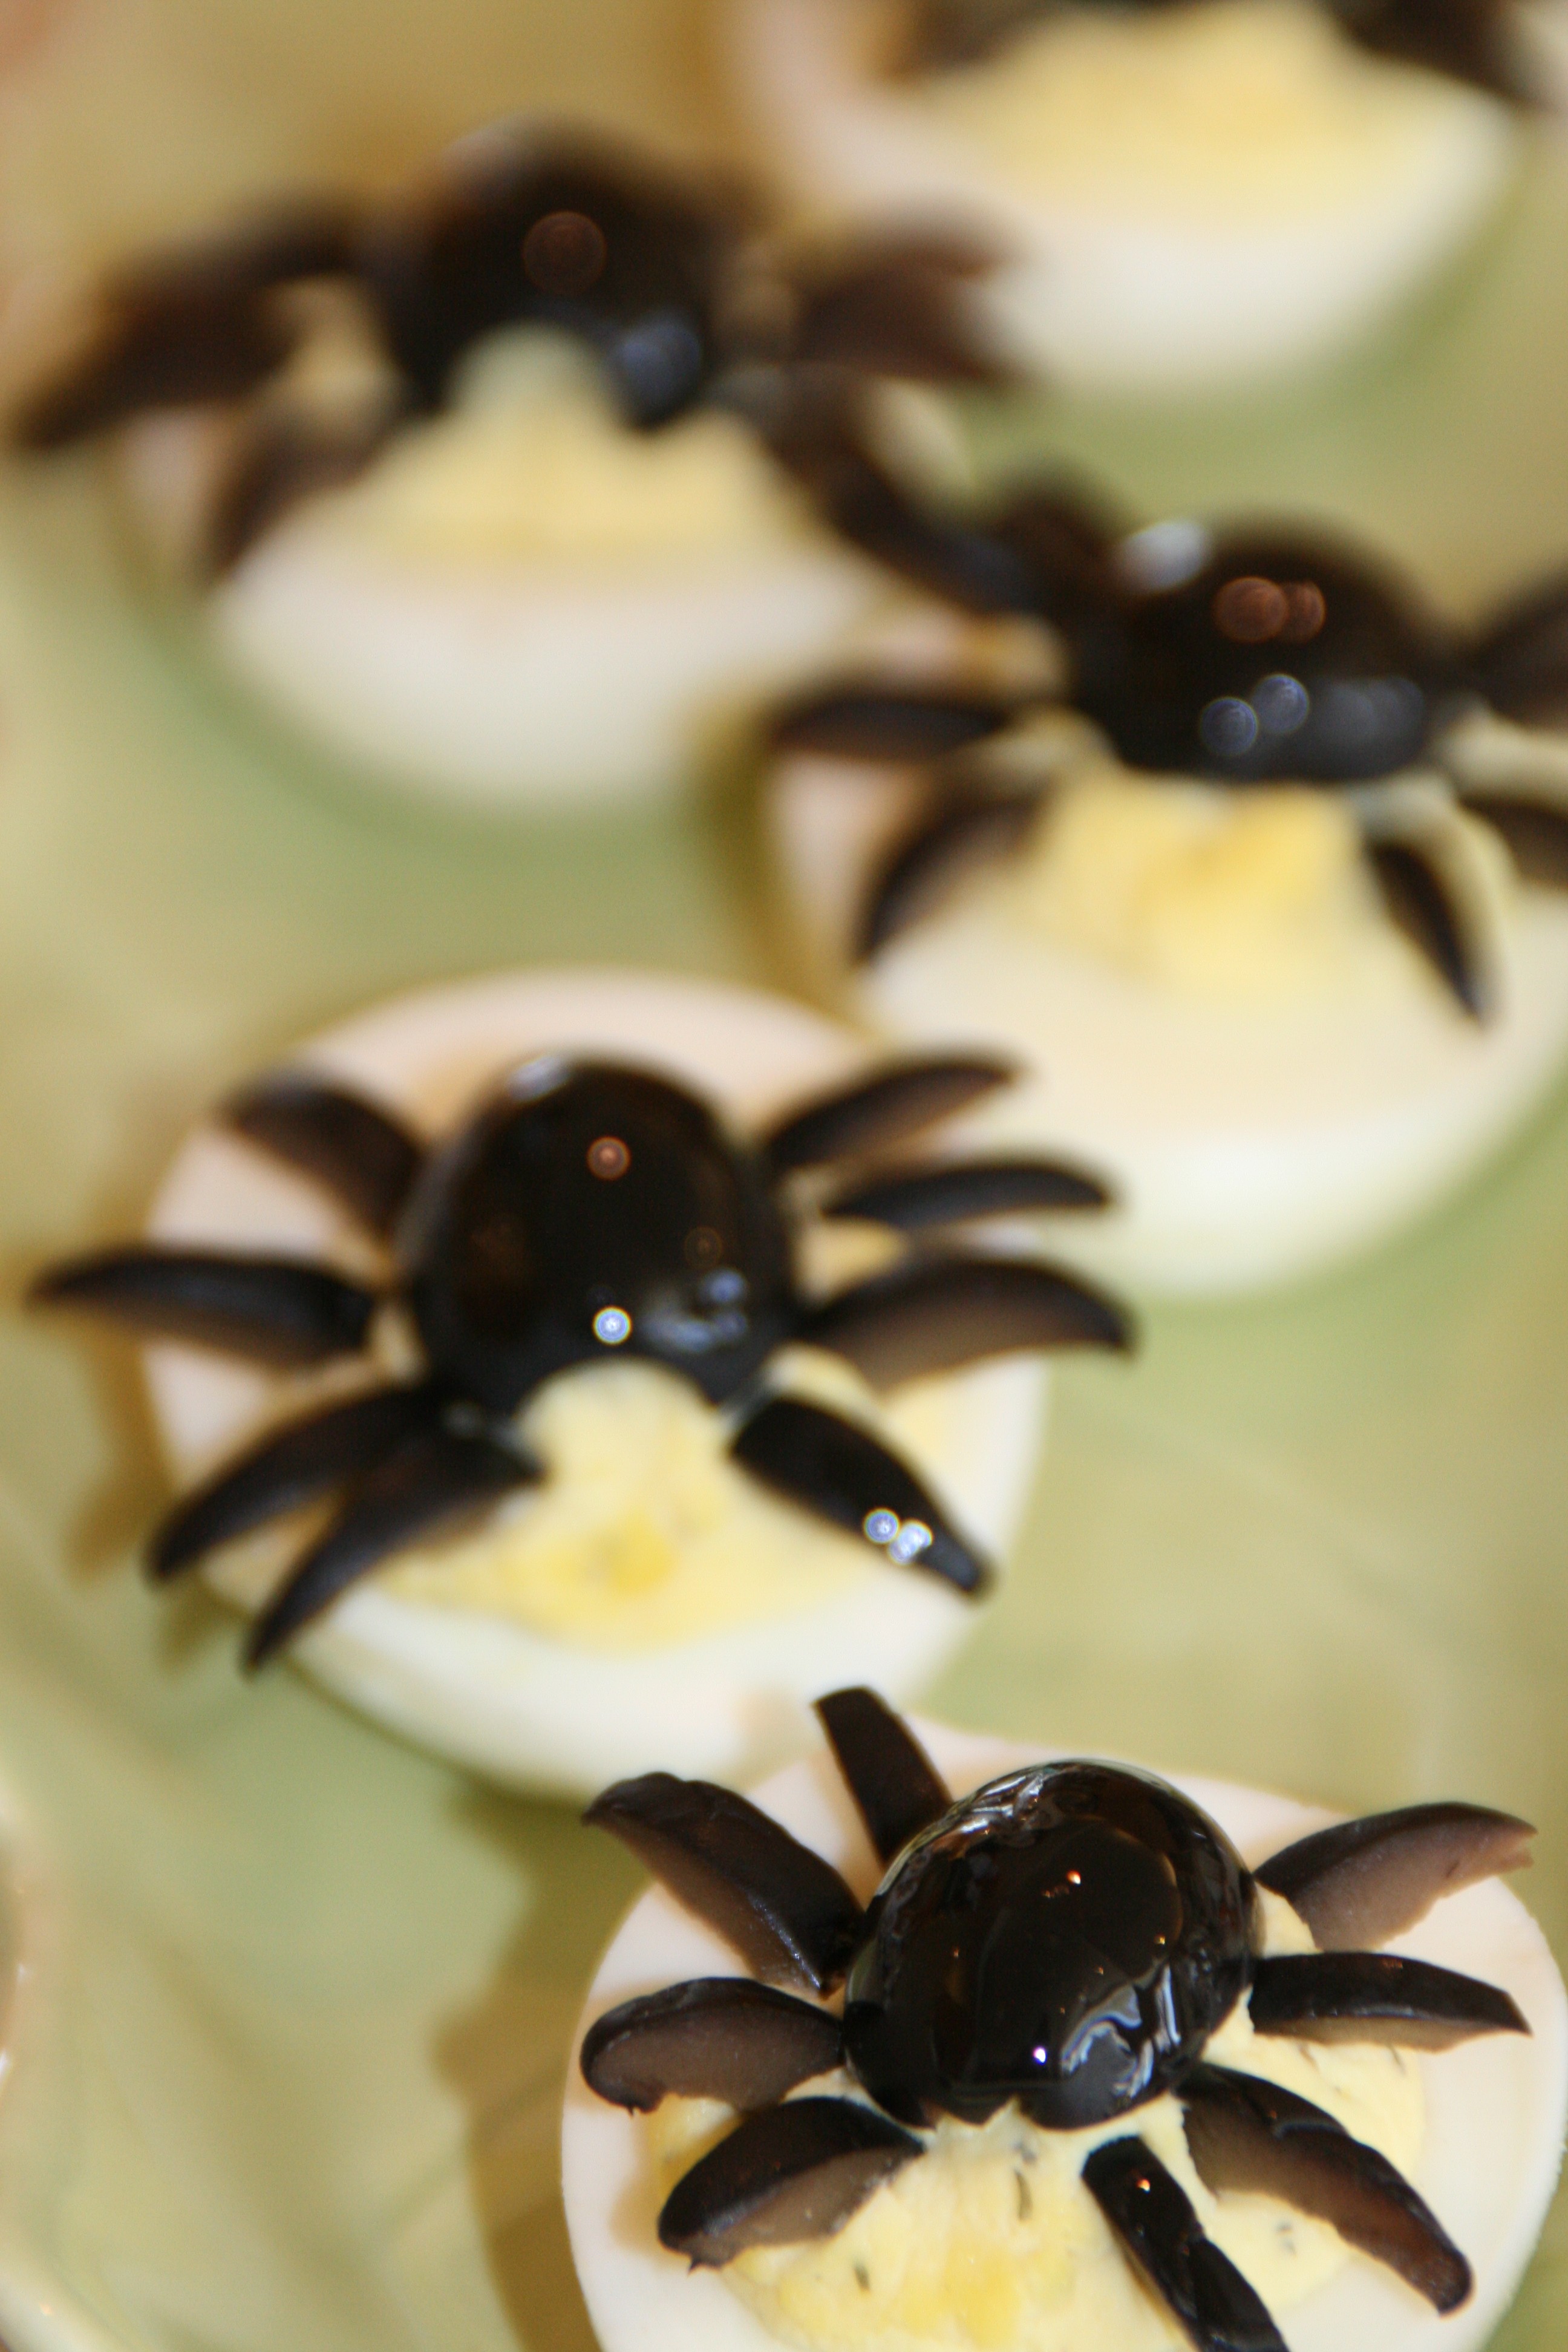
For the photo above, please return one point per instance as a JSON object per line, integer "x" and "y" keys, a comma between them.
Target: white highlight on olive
{"x": 612, "y": 1326}
{"x": 901, "y": 1540}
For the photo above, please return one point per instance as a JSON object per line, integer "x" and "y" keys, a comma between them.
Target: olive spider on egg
{"x": 1070, "y": 1963}
{"x": 655, "y": 1593}
{"x": 440, "y": 461}
{"x": 1273, "y": 849}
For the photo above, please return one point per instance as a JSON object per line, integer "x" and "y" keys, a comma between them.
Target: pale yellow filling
{"x": 990, "y": 2242}
{"x": 1227, "y": 110}
{"x": 644, "y": 1531}
{"x": 534, "y": 466}
{"x": 1240, "y": 896}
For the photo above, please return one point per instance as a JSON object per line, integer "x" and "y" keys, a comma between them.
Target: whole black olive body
{"x": 1069, "y": 1937}
{"x": 443, "y": 275}
{"x": 1277, "y": 660}
{"x": 594, "y": 1210}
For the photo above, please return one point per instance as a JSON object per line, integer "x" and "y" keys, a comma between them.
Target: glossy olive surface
{"x": 1277, "y": 658}
{"x": 590, "y": 1210}
{"x": 1068, "y": 1936}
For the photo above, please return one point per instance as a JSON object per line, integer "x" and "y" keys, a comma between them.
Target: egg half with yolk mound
{"x": 523, "y": 601}
{"x": 947, "y": 2254}
{"x": 1189, "y": 193}
{"x": 647, "y": 1601}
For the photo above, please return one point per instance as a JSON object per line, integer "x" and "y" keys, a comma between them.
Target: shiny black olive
{"x": 1279, "y": 657}
{"x": 564, "y": 235}
{"x": 1069, "y": 1937}
{"x": 591, "y": 1210}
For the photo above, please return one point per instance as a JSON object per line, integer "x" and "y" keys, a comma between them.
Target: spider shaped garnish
{"x": 584, "y": 1208}
{"x": 1467, "y": 39}
{"x": 1068, "y": 1937}
{"x": 668, "y": 281}
{"x": 1244, "y": 658}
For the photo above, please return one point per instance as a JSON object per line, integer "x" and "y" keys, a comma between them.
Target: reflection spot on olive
{"x": 1251, "y": 610}
{"x": 564, "y": 253}
{"x": 609, "y": 1158}
{"x": 611, "y": 1326}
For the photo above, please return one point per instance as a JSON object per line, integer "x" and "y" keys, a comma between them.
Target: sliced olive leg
{"x": 1535, "y": 831}
{"x": 430, "y": 1485}
{"x": 1361, "y": 1881}
{"x": 844, "y": 1474}
{"x": 285, "y": 458}
{"x": 1153, "y": 2220}
{"x": 1419, "y": 899}
{"x": 189, "y": 325}
{"x": 797, "y": 2172}
{"x": 1467, "y": 40}
{"x": 881, "y": 1111}
{"x": 931, "y": 1315}
{"x": 292, "y": 1465}
{"x": 350, "y": 1145}
{"x": 865, "y": 720}
{"x": 714, "y": 2038}
{"x": 896, "y": 1788}
{"x": 957, "y": 1191}
{"x": 826, "y": 453}
{"x": 1246, "y": 2134}
{"x": 1377, "y": 1997}
{"x": 785, "y": 1911}
{"x": 1519, "y": 663}
{"x": 204, "y": 345}
{"x": 958, "y": 32}
{"x": 271, "y": 1310}
{"x": 898, "y": 305}
{"x": 927, "y": 866}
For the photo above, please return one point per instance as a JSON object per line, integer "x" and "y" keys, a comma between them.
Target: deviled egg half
{"x": 1190, "y": 191}
{"x": 526, "y": 599}
{"x": 913, "y": 2232}
{"x": 478, "y": 479}
{"x": 1264, "y": 886}
{"x": 642, "y": 1538}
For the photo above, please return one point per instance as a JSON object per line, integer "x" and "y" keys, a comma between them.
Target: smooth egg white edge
{"x": 496, "y": 685}
{"x": 1211, "y": 1198}
{"x": 513, "y": 1705}
{"x": 1495, "y": 2106}
{"x": 1108, "y": 301}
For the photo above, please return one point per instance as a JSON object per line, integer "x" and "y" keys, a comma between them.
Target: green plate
{"x": 286, "y": 2047}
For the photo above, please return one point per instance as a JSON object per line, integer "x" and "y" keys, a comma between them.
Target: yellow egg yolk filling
{"x": 1227, "y": 110}
{"x": 1243, "y": 899}
{"x": 643, "y": 1531}
{"x": 534, "y": 466}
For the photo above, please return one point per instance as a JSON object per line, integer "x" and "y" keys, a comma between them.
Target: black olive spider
{"x": 583, "y": 1208}
{"x": 673, "y": 282}
{"x": 1244, "y": 658}
{"x": 1469, "y": 40}
{"x": 962, "y": 1993}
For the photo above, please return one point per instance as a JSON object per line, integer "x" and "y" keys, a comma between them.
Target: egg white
{"x": 489, "y": 1693}
{"x": 1495, "y": 2107}
{"x": 1105, "y": 291}
{"x": 1248, "y": 1147}
{"x": 503, "y": 682}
